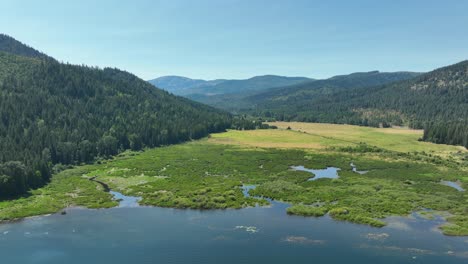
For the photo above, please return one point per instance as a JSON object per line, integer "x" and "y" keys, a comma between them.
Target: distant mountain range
{"x": 195, "y": 87}
{"x": 293, "y": 96}
{"x": 182, "y": 85}
{"x": 296, "y": 89}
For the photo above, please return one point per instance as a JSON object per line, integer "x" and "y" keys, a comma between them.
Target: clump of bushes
{"x": 307, "y": 210}
{"x": 343, "y": 213}
{"x": 360, "y": 148}
{"x": 271, "y": 189}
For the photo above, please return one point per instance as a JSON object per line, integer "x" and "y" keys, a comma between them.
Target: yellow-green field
{"x": 320, "y": 136}
{"x": 275, "y": 138}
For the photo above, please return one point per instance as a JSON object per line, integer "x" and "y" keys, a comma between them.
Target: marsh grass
{"x": 67, "y": 189}
{"x": 208, "y": 174}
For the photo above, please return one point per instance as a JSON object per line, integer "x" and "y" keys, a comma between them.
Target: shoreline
{"x": 409, "y": 216}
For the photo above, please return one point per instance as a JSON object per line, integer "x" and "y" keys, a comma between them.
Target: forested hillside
{"x": 292, "y": 96}
{"x": 53, "y": 113}
{"x": 436, "y": 101}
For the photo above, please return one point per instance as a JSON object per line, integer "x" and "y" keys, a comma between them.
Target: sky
{"x": 238, "y": 39}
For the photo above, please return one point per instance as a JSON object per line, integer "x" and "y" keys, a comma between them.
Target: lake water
{"x": 129, "y": 234}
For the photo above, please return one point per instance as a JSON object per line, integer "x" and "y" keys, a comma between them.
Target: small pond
{"x": 329, "y": 172}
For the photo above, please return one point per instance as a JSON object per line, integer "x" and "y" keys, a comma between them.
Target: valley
{"x": 209, "y": 174}
{"x": 232, "y": 132}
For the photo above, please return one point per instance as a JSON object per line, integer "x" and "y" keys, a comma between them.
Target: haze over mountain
{"x": 195, "y": 87}
{"x": 55, "y": 113}
{"x": 301, "y": 91}
{"x": 181, "y": 85}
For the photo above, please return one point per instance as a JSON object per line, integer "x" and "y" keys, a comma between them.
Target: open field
{"x": 208, "y": 174}
{"x": 396, "y": 139}
{"x": 276, "y": 138}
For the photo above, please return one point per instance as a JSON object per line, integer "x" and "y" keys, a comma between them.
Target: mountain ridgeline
{"x": 182, "y": 85}
{"x": 53, "y": 113}
{"x": 11, "y": 45}
{"x": 285, "y": 101}
{"x": 194, "y": 88}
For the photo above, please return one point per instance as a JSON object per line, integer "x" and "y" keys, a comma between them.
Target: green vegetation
{"x": 457, "y": 225}
{"x": 307, "y": 210}
{"x": 68, "y": 188}
{"x": 208, "y": 175}
{"x": 54, "y": 113}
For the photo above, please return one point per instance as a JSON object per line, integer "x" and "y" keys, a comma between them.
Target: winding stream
{"x": 124, "y": 201}
{"x": 452, "y": 184}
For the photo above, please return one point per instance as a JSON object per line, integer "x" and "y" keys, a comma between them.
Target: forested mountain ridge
{"x": 11, "y": 45}
{"x": 307, "y": 90}
{"x": 55, "y": 113}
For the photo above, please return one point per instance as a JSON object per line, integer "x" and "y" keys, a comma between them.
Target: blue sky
{"x": 242, "y": 38}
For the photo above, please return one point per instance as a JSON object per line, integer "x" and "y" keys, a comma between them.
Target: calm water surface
{"x": 129, "y": 234}
{"x": 329, "y": 172}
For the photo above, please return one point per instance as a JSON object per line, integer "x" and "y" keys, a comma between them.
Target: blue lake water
{"x": 131, "y": 234}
